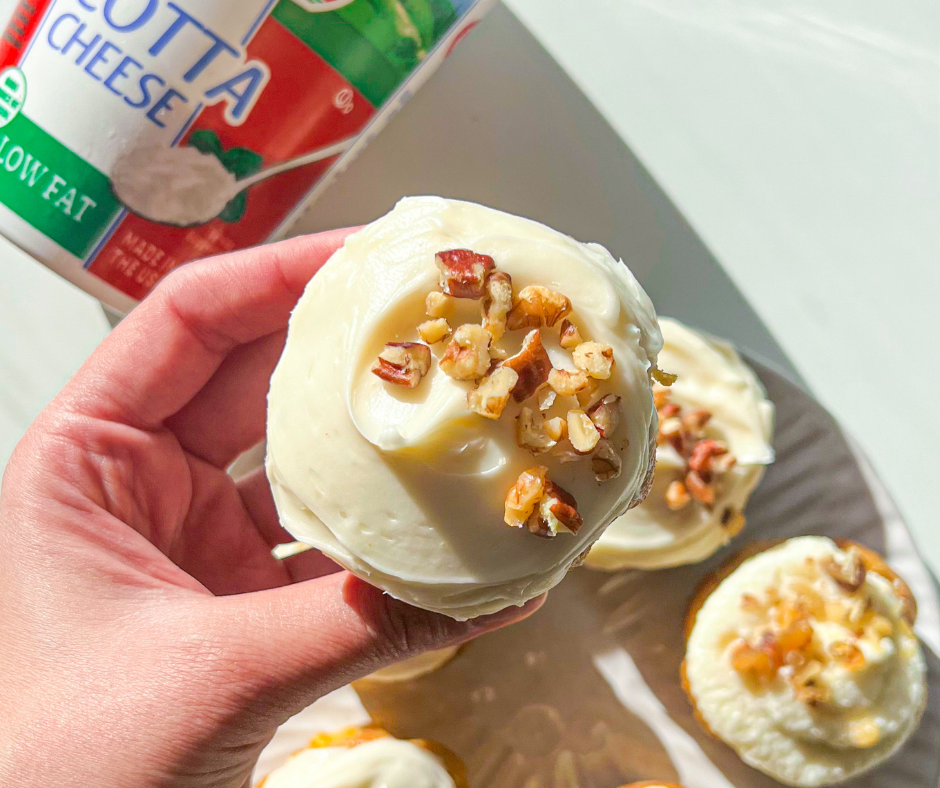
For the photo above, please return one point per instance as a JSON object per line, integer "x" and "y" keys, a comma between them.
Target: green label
{"x": 56, "y": 191}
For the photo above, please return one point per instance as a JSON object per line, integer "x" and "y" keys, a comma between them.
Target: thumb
{"x": 298, "y": 642}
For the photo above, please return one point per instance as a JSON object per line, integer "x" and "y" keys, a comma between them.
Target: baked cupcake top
{"x": 803, "y": 660}
{"x": 715, "y": 432}
{"x": 457, "y": 383}
{"x": 366, "y": 757}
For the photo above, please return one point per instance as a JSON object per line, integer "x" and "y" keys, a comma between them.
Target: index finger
{"x": 166, "y": 350}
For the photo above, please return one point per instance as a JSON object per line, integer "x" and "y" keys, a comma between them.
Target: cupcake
{"x": 714, "y": 441}
{"x": 415, "y": 667}
{"x": 356, "y": 757}
{"x": 463, "y": 404}
{"x": 802, "y": 658}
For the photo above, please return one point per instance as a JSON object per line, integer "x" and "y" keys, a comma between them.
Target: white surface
{"x": 799, "y": 140}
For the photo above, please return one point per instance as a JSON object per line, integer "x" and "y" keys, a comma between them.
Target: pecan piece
{"x": 545, "y": 397}
{"x": 848, "y": 654}
{"x": 524, "y": 496}
{"x": 581, "y": 432}
{"x": 605, "y": 413}
{"x": 663, "y": 378}
{"x": 569, "y": 337}
{"x": 595, "y": 358}
{"x": 699, "y": 489}
{"x": 568, "y": 383}
{"x": 557, "y": 511}
{"x": 531, "y": 433}
{"x": 677, "y": 496}
{"x": 490, "y": 397}
{"x": 467, "y": 356}
{"x": 849, "y": 575}
{"x": 464, "y": 272}
{"x": 556, "y": 428}
{"x": 403, "y": 363}
{"x": 532, "y": 364}
{"x": 497, "y": 302}
{"x": 437, "y": 304}
{"x": 703, "y": 452}
{"x": 433, "y": 331}
{"x": 537, "y": 306}
{"x": 605, "y": 462}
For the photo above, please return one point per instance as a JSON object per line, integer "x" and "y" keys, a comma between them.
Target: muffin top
{"x": 715, "y": 432}
{"x": 804, "y": 660}
{"x": 463, "y": 405}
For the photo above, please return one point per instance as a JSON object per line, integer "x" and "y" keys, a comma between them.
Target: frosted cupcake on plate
{"x": 803, "y": 659}
{"x": 358, "y": 757}
{"x": 463, "y": 404}
{"x": 714, "y": 442}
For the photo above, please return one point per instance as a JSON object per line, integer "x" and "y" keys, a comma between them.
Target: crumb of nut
{"x": 557, "y": 511}
{"x": 569, "y": 337}
{"x": 605, "y": 462}
{"x": 661, "y": 397}
{"x": 732, "y": 521}
{"x": 847, "y": 654}
{"x": 490, "y": 397}
{"x": 433, "y": 331}
{"x": 403, "y": 363}
{"x": 524, "y": 496}
{"x": 677, "y": 496}
{"x": 497, "y": 302}
{"x": 703, "y": 453}
{"x": 864, "y": 733}
{"x": 663, "y": 378}
{"x": 556, "y": 428}
{"x": 605, "y": 413}
{"x": 537, "y": 306}
{"x": 668, "y": 428}
{"x": 585, "y": 395}
{"x": 699, "y": 489}
{"x": 545, "y": 397}
{"x": 532, "y": 364}
{"x": 581, "y": 431}
{"x": 467, "y": 356}
{"x": 849, "y": 575}
{"x": 759, "y": 662}
{"x": 531, "y": 433}
{"x": 595, "y": 358}
{"x": 438, "y": 304}
{"x": 694, "y": 421}
{"x": 567, "y": 383}
{"x": 498, "y": 353}
{"x": 464, "y": 272}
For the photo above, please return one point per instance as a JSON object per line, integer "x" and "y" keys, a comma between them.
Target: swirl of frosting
{"x": 713, "y": 378}
{"x": 405, "y": 487}
{"x": 805, "y": 662}
{"x": 382, "y": 763}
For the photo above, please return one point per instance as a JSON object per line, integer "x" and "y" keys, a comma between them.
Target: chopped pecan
{"x": 403, "y": 363}
{"x": 433, "y": 331}
{"x": 661, "y": 397}
{"x": 537, "y": 306}
{"x": 695, "y": 420}
{"x": 545, "y": 397}
{"x": 531, "y": 433}
{"x": 581, "y": 432}
{"x": 605, "y": 413}
{"x": 532, "y": 364}
{"x": 557, "y": 511}
{"x": 760, "y": 662}
{"x": 605, "y": 462}
{"x": 497, "y": 302}
{"x": 490, "y": 397}
{"x": 864, "y": 733}
{"x": 467, "y": 356}
{"x": 437, "y": 304}
{"x": 595, "y": 358}
{"x": 732, "y": 521}
{"x": 663, "y": 378}
{"x": 703, "y": 453}
{"x": 524, "y": 496}
{"x": 569, "y": 336}
{"x": 699, "y": 489}
{"x": 847, "y": 654}
{"x": 585, "y": 395}
{"x": 677, "y": 496}
{"x": 556, "y": 428}
{"x": 464, "y": 272}
{"x": 807, "y": 685}
{"x": 568, "y": 383}
{"x": 850, "y": 574}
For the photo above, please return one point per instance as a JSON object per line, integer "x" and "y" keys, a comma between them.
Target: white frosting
{"x": 711, "y": 376}
{"x": 382, "y": 763}
{"x": 405, "y": 487}
{"x": 415, "y": 667}
{"x": 773, "y": 730}
{"x": 178, "y": 185}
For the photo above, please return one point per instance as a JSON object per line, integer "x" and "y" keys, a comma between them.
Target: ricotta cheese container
{"x": 137, "y": 135}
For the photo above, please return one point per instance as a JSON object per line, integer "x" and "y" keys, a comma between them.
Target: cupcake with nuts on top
{"x": 803, "y": 659}
{"x": 714, "y": 442}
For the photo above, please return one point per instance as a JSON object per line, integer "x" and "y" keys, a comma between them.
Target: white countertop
{"x": 793, "y": 143}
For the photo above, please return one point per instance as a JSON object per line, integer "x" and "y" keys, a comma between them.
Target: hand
{"x": 147, "y": 636}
